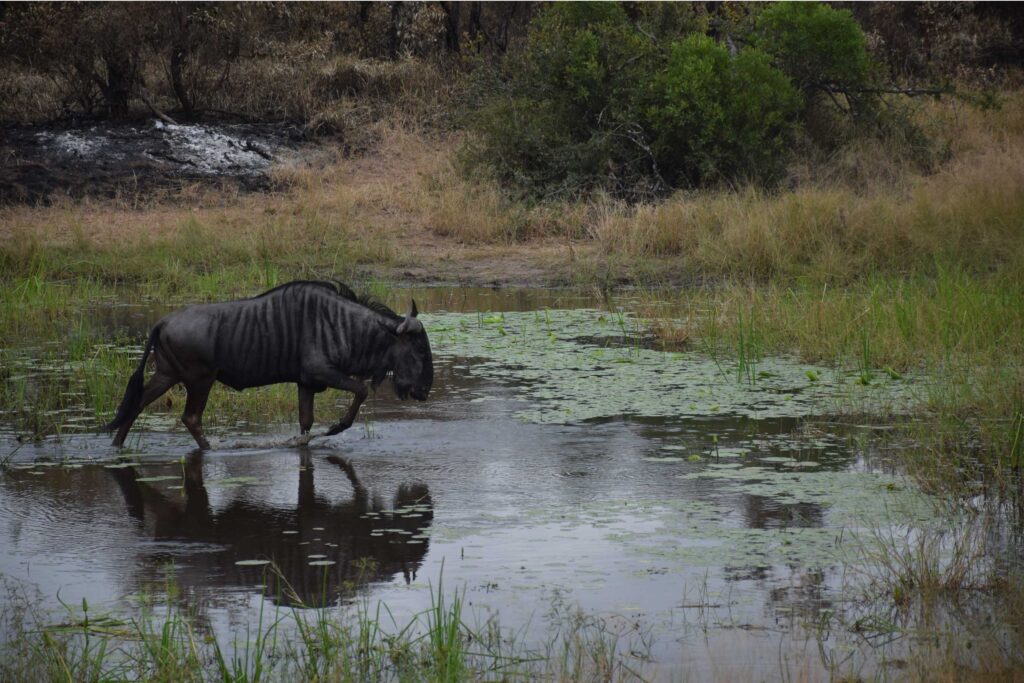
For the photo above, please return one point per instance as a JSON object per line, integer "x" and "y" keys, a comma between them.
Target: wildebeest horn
{"x": 410, "y": 324}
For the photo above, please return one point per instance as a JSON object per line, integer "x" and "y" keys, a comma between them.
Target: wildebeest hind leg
{"x": 359, "y": 393}
{"x": 195, "y": 404}
{"x": 157, "y": 385}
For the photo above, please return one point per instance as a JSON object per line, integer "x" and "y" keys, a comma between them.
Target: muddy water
{"x": 704, "y": 512}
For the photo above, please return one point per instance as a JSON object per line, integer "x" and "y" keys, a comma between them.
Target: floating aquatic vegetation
{"x": 252, "y": 563}
{"x": 576, "y": 365}
{"x": 731, "y": 452}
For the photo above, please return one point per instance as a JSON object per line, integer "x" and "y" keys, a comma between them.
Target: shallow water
{"x": 558, "y": 463}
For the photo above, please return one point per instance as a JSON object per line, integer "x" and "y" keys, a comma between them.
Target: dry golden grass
{"x": 970, "y": 212}
{"x": 27, "y": 96}
{"x": 836, "y": 224}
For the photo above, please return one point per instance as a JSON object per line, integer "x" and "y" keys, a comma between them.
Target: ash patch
{"x": 40, "y": 163}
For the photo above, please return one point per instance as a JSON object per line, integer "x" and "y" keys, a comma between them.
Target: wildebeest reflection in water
{"x": 365, "y": 540}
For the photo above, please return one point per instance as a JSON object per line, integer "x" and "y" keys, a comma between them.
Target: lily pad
{"x": 729, "y": 452}
{"x": 565, "y": 379}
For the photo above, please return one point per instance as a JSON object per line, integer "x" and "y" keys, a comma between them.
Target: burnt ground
{"x": 38, "y": 164}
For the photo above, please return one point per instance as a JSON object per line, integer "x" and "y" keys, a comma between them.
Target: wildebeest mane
{"x": 342, "y": 290}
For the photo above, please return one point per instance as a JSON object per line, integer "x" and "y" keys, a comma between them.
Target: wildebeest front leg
{"x": 359, "y": 394}
{"x": 306, "y": 396}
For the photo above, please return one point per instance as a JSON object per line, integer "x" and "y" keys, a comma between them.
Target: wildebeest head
{"x": 412, "y": 366}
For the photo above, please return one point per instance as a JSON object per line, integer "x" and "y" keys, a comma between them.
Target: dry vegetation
{"x": 406, "y": 204}
{"x": 849, "y": 216}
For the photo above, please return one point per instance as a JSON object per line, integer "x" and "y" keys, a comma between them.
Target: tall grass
{"x": 828, "y": 225}
{"x": 165, "y": 642}
{"x": 968, "y": 213}
{"x": 954, "y": 327}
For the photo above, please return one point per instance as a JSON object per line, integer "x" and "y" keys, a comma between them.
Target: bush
{"x": 555, "y": 118}
{"x": 714, "y": 116}
{"x": 815, "y": 45}
{"x": 625, "y": 104}
{"x": 594, "y": 103}
{"x": 824, "y": 52}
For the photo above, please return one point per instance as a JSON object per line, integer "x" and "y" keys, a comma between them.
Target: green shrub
{"x": 600, "y": 100}
{"x": 713, "y": 116}
{"x": 815, "y": 45}
{"x": 554, "y": 119}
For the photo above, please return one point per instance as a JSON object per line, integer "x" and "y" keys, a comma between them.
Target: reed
{"x": 163, "y": 641}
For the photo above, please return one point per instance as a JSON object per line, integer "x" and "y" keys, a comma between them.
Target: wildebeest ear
{"x": 409, "y": 323}
{"x": 389, "y": 327}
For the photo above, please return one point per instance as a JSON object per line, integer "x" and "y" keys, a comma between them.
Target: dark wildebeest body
{"x": 315, "y": 334}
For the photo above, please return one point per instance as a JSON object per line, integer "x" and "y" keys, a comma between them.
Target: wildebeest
{"x": 316, "y": 334}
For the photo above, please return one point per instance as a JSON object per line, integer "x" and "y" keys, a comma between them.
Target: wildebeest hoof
{"x": 300, "y": 440}
{"x": 337, "y": 429}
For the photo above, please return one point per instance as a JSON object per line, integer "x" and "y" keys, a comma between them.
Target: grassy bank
{"x": 407, "y": 203}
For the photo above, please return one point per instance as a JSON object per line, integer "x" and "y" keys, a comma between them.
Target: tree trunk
{"x": 452, "y": 12}
{"x": 474, "y": 21}
{"x": 393, "y": 37}
{"x": 178, "y": 81}
{"x": 180, "y": 54}
{"x": 117, "y": 90}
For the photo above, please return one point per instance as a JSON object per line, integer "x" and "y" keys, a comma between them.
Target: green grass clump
{"x": 162, "y": 640}
{"x": 954, "y": 327}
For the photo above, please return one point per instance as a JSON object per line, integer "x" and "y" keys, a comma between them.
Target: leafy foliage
{"x": 556, "y": 118}
{"x": 596, "y": 101}
{"x": 713, "y": 116}
{"x": 815, "y": 45}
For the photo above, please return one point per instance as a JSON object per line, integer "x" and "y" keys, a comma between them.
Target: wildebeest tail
{"x": 133, "y": 392}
